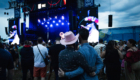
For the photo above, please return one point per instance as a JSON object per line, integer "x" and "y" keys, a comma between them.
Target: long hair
{"x": 110, "y": 46}
{"x": 132, "y": 41}
{"x": 110, "y": 57}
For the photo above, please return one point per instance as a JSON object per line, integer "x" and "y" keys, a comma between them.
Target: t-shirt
{"x": 38, "y": 59}
{"x": 97, "y": 48}
{"x": 27, "y": 55}
{"x": 54, "y": 53}
{"x": 19, "y": 49}
{"x": 13, "y": 54}
{"x": 6, "y": 62}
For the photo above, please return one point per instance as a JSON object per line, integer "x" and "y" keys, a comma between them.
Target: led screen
{"x": 88, "y": 19}
{"x": 13, "y": 36}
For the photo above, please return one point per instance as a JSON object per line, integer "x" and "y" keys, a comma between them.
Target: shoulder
{"x": 84, "y": 47}
{"x": 5, "y": 53}
{"x": 61, "y": 52}
{"x": 62, "y": 46}
{"x": 44, "y": 47}
{"x": 103, "y": 45}
{"x": 21, "y": 48}
{"x": 34, "y": 47}
{"x": 132, "y": 49}
{"x": 54, "y": 46}
{"x": 97, "y": 45}
{"x": 129, "y": 50}
{"x": 31, "y": 48}
{"x": 77, "y": 54}
{"x": 91, "y": 48}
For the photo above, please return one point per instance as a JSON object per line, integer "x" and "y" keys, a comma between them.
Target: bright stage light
{"x": 57, "y": 24}
{"x": 39, "y": 20}
{"x": 65, "y": 2}
{"x": 39, "y": 6}
{"x": 44, "y": 19}
{"x": 59, "y": 20}
{"x": 42, "y": 23}
{"x": 62, "y": 23}
{"x": 55, "y": 17}
{"x": 51, "y": 25}
{"x": 68, "y": 23}
{"x": 50, "y": 18}
{"x": 47, "y": 22}
{"x": 62, "y": 17}
{"x": 43, "y": 5}
{"x": 46, "y": 26}
{"x": 53, "y": 21}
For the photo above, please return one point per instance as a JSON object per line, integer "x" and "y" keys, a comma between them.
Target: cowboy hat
{"x": 70, "y": 38}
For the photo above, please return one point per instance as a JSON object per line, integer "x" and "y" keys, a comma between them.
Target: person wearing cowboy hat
{"x": 69, "y": 59}
{"x": 89, "y": 54}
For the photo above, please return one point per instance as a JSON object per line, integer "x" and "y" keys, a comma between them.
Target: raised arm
{"x": 85, "y": 27}
{"x": 102, "y": 54}
{"x": 120, "y": 54}
{"x": 122, "y": 48}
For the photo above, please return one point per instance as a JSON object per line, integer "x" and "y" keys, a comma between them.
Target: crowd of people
{"x": 71, "y": 58}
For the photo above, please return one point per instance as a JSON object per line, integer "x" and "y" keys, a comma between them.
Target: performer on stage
{"x": 13, "y": 35}
{"x": 93, "y": 33}
{"x": 61, "y": 34}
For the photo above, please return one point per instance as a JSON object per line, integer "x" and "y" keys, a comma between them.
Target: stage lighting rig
{"x": 62, "y": 23}
{"x": 43, "y": 5}
{"x": 55, "y": 17}
{"x": 47, "y": 22}
{"x": 62, "y": 17}
{"x": 51, "y": 25}
{"x": 53, "y": 21}
{"x": 59, "y": 20}
{"x": 39, "y": 20}
{"x": 44, "y": 19}
{"x": 39, "y": 6}
{"x": 57, "y": 24}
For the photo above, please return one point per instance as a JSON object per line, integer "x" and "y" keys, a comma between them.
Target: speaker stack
{"x": 22, "y": 32}
{"x": 71, "y": 20}
{"x": 110, "y": 21}
{"x": 6, "y": 31}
